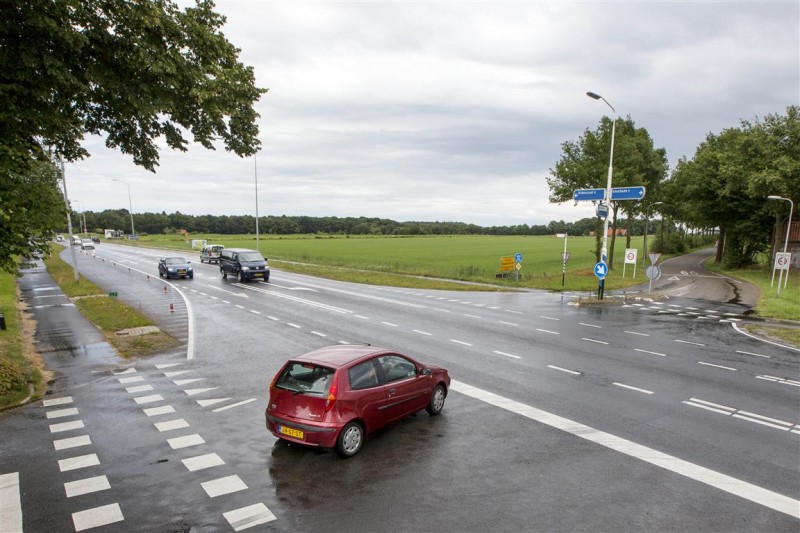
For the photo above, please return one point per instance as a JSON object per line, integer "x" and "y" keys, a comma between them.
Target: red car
{"x": 333, "y": 397}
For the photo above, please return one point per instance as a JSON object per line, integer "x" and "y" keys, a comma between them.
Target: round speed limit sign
{"x": 631, "y": 256}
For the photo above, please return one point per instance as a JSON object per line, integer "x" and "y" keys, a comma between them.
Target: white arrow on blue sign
{"x": 627, "y": 193}
{"x": 581, "y": 195}
{"x": 518, "y": 258}
{"x": 600, "y": 270}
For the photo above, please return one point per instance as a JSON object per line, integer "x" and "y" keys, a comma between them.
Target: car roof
{"x": 174, "y": 257}
{"x": 341, "y": 354}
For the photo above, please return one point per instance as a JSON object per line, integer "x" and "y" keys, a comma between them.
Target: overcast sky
{"x": 456, "y": 111}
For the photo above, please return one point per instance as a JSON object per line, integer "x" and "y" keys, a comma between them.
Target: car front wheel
{"x": 350, "y": 440}
{"x": 223, "y": 274}
{"x": 242, "y": 279}
{"x": 437, "y": 400}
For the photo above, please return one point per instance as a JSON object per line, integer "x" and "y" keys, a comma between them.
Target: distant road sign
{"x": 506, "y": 264}
{"x": 627, "y": 193}
{"x": 600, "y": 270}
{"x": 654, "y": 257}
{"x": 583, "y": 195}
{"x": 602, "y": 211}
{"x": 518, "y": 257}
{"x": 653, "y": 272}
{"x": 630, "y": 256}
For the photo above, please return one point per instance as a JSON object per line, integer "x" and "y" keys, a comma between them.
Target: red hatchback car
{"x": 333, "y": 397}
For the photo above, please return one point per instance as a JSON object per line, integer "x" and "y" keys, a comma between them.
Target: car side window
{"x": 363, "y": 376}
{"x": 396, "y": 367}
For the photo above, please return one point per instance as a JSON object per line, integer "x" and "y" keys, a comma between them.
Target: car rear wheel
{"x": 437, "y": 400}
{"x": 350, "y": 440}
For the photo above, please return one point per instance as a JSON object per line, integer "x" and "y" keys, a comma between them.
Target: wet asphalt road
{"x": 672, "y": 378}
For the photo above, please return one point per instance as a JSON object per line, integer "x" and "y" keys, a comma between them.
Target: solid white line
{"x": 768, "y": 419}
{"x": 648, "y": 351}
{"x": 547, "y": 331}
{"x": 720, "y": 411}
{"x": 736, "y": 327}
{"x": 231, "y": 406}
{"x": 756, "y": 354}
{"x": 718, "y": 366}
{"x": 731, "y": 409}
{"x": 632, "y": 388}
{"x": 636, "y": 333}
{"x": 97, "y": 516}
{"x": 507, "y": 354}
{"x": 10, "y": 503}
{"x": 460, "y": 342}
{"x": 564, "y": 370}
{"x": 731, "y": 485}
{"x": 592, "y": 340}
{"x": 737, "y": 415}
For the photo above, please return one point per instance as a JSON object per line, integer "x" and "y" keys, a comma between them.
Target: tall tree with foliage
{"x": 727, "y": 181}
{"x": 134, "y": 71}
{"x": 584, "y": 165}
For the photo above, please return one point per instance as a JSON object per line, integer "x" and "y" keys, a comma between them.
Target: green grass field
{"x": 465, "y": 258}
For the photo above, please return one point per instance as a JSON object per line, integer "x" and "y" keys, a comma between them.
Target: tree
{"x": 31, "y": 206}
{"x": 134, "y": 72}
{"x": 584, "y": 165}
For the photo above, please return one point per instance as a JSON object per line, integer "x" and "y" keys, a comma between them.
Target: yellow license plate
{"x": 296, "y": 433}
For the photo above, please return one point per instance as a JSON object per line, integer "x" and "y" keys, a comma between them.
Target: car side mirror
{"x": 426, "y": 372}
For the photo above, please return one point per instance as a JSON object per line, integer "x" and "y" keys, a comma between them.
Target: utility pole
{"x": 69, "y": 221}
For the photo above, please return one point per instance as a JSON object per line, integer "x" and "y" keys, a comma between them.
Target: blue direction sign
{"x": 518, "y": 258}
{"x": 580, "y": 195}
{"x": 600, "y": 270}
{"x": 627, "y": 193}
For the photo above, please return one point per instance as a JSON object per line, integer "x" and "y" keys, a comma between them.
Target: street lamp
{"x": 646, "y": 220}
{"x": 130, "y": 204}
{"x": 604, "y": 251}
{"x": 83, "y": 214}
{"x": 786, "y": 239}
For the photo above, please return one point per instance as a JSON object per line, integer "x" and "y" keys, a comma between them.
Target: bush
{"x": 12, "y": 377}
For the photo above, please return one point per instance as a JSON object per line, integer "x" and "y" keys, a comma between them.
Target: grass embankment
{"x": 21, "y": 369}
{"x": 785, "y": 306}
{"x": 109, "y": 314}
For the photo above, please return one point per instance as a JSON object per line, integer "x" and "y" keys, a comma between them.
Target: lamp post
{"x": 130, "y": 205}
{"x": 83, "y": 215}
{"x": 646, "y": 220}
{"x": 786, "y": 239}
{"x": 255, "y": 175}
{"x": 604, "y": 250}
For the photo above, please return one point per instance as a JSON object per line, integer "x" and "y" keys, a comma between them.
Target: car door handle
{"x": 392, "y": 391}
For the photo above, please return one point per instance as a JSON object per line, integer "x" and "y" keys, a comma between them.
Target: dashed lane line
{"x": 718, "y": 366}
{"x": 652, "y": 353}
{"x": 507, "y": 354}
{"x": 731, "y": 485}
{"x": 560, "y": 369}
{"x": 629, "y": 387}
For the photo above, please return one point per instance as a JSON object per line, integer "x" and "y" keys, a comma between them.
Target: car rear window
{"x": 217, "y": 249}
{"x": 305, "y": 377}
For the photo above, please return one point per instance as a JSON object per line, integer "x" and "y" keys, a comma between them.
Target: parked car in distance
{"x": 175, "y": 267}
{"x": 244, "y": 264}
{"x": 96, "y": 240}
{"x": 76, "y": 241}
{"x": 210, "y": 253}
{"x": 87, "y": 244}
{"x": 334, "y": 396}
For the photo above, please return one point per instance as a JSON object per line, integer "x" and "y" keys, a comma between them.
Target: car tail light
{"x": 331, "y": 395}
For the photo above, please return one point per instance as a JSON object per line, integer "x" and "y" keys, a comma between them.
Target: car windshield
{"x": 305, "y": 378}
{"x": 175, "y": 261}
{"x": 250, "y": 256}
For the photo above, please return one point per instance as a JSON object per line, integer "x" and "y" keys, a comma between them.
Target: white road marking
{"x": 176, "y": 373}
{"x": 589, "y": 325}
{"x": 689, "y": 342}
{"x": 548, "y": 331}
{"x": 421, "y": 332}
{"x": 194, "y": 392}
{"x": 66, "y": 426}
{"x": 134, "y": 379}
{"x": 273, "y": 318}
{"x": 149, "y": 399}
{"x": 744, "y": 415}
{"x": 637, "y": 333}
{"x": 442, "y": 310}
{"x": 61, "y": 413}
{"x": 717, "y": 366}
{"x": 318, "y": 334}
{"x": 637, "y": 389}
{"x": 57, "y": 401}
{"x": 139, "y": 388}
{"x": 460, "y": 342}
{"x": 182, "y": 382}
{"x": 783, "y": 381}
{"x": 126, "y": 371}
{"x": 184, "y": 442}
{"x": 231, "y": 406}
{"x": 10, "y": 503}
{"x": 162, "y": 410}
{"x": 507, "y": 354}
{"x": 167, "y": 365}
{"x": 474, "y": 316}
{"x": 548, "y": 317}
{"x": 170, "y": 425}
{"x": 564, "y": 370}
{"x": 593, "y": 340}
{"x": 249, "y": 516}
{"x": 86, "y": 486}
{"x": 214, "y": 401}
{"x": 239, "y": 306}
{"x": 81, "y": 461}
{"x": 223, "y": 485}
{"x": 291, "y": 325}
{"x": 736, "y": 327}
{"x": 255, "y": 312}
{"x": 72, "y": 442}
{"x": 201, "y": 462}
{"x": 97, "y": 516}
{"x": 509, "y": 323}
{"x": 731, "y": 485}
{"x": 389, "y": 324}
{"x": 648, "y": 351}
{"x": 756, "y": 354}
{"x": 515, "y": 312}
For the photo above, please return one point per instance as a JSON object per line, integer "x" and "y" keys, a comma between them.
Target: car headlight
{"x": 245, "y": 268}
{"x": 171, "y": 269}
